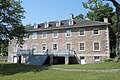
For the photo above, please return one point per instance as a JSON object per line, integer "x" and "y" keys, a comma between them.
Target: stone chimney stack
{"x": 106, "y": 20}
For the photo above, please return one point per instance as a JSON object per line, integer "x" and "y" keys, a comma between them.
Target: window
{"x": 46, "y": 25}
{"x": 55, "y": 47}
{"x": 81, "y": 46}
{"x": 96, "y": 58}
{"x": 71, "y": 22}
{"x": 44, "y": 35}
{"x": 96, "y": 46}
{"x": 81, "y": 32}
{"x": 25, "y": 47}
{"x": 44, "y": 47}
{"x": 58, "y": 23}
{"x": 26, "y": 36}
{"x": 55, "y": 34}
{"x": 96, "y": 31}
{"x": 68, "y": 46}
{"x": 34, "y": 36}
{"x": 68, "y": 33}
{"x": 34, "y": 48}
{"x": 15, "y": 48}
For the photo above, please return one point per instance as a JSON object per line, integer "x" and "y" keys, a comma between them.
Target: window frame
{"x": 79, "y": 32}
{"x": 70, "y": 45}
{"x": 80, "y": 47}
{"x": 96, "y": 59}
{"x": 42, "y": 46}
{"x": 53, "y": 34}
{"x": 56, "y": 47}
{"x": 43, "y": 34}
{"x": 94, "y": 45}
{"x": 34, "y": 35}
{"x": 35, "y": 49}
{"x": 94, "y": 31}
{"x": 66, "y": 34}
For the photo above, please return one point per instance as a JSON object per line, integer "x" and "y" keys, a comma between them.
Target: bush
{"x": 108, "y": 60}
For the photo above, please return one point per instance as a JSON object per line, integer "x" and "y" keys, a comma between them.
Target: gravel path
{"x": 80, "y": 70}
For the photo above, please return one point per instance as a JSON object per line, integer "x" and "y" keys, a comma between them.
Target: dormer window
{"x": 46, "y": 25}
{"x": 58, "y": 23}
{"x": 35, "y": 26}
{"x": 71, "y": 22}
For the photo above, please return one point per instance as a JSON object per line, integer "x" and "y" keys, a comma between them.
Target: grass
{"x": 96, "y": 66}
{"x": 10, "y": 71}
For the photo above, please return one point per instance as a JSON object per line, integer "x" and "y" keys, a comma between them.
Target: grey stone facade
{"x": 88, "y": 55}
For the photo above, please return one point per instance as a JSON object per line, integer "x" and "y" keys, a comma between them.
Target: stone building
{"x": 64, "y": 41}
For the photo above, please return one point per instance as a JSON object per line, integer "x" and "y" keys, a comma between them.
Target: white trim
{"x": 96, "y": 59}
{"x": 79, "y": 46}
{"x": 108, "y": 41}
{"x": 68, "y": 43}
{"x": 42, "y": 46}
{"x": 71, "y": 22}
{"x": 79, "y": 32}
{"x": 53, "y": 34}
{"x": 35, "y": 35}
{"x": 97, "y": 54}
{"x": 44, "y": 33}
{"x": 36, "y": 47}
{"x": 26, "y": 36}
{"x": 99, "y": 45}
{"x": 96, "y": 29}
{"x": 58, "y": 23}
{"x": 57, "y": 46}
{"x": 70, "y": 33}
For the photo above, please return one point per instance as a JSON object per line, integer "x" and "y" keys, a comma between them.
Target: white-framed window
{"x": 34, "y": 35}
{"x": 58, "y": 23}
{"x": 25, "y": 47}
{"x": 46, "y": 24}
{"x": 97, "y": 58}
{"x": 44, "y": 46}
{"x": 96, "y": 31}
{"x": 34, "y": 48}
{"x": 15, "y": 48}
{"x": 26, "y": 36}
{"x": 81, "y": 46}
{"x": 55, "y": 46}
{"x": 71, "y": 22}
{"x": 69, "y": 46}
{"x": 81, "y": 32}
{"x": 68, "y": 33}
{"x": 44, "y": 35}
{"x": 55, "y": 34}
{"x": 96, "y": 46}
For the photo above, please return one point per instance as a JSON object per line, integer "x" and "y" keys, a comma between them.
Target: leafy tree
{"x": 98, "y": 11}
{"x": 11, "y": 15}
{"x": 81, "y": 16}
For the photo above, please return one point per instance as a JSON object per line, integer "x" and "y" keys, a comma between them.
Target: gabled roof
{"x": 65, "y": 24}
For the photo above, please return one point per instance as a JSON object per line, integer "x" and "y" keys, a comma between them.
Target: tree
{"x": 11, "y": 15}
{"x": 80, "y": 16}
{"x": 98, "y": 11}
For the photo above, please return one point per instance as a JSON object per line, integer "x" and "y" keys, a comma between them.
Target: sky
{"x": 38, "y": 11}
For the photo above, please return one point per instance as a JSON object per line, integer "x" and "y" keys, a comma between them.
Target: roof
{"x": 65, "y": 24}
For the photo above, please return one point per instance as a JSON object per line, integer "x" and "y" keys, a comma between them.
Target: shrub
{"x": 108, "y": 60}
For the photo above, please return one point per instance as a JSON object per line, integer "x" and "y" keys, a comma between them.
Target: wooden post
{"x": 51, "y": 59}
{"x": 66, "y": 60}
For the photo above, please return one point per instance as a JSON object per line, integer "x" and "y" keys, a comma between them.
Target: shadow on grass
{"x": 11, "y": 69}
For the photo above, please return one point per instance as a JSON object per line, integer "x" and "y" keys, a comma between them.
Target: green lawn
{"x": 9, "y": 71}
{"x": 96, "y": 66}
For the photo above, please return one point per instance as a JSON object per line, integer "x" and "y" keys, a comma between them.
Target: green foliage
{"x": 98, "y": 11}
{"x": 108, "y": 60}
{"x": 80, "y": 16}
{"x": 11, "y": 15}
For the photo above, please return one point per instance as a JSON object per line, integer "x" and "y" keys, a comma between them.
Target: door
{"x": 82, "y": 59}
{"x": 15, "y": 59}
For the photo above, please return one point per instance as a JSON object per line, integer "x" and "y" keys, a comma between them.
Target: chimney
{"x": 106, "y": 20}
{"x": 71, "y": 16}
